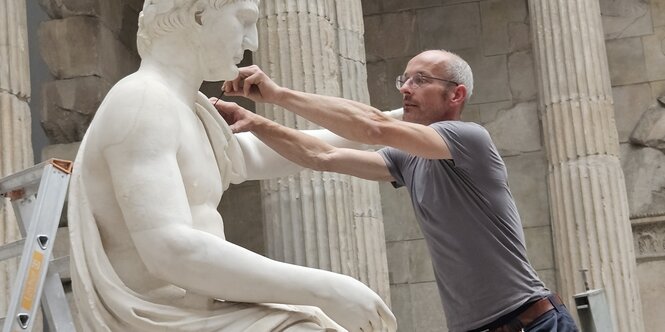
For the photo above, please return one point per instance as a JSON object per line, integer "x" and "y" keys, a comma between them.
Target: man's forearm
{"x": 350, "y": 119}
{"x": 300, "y": 148}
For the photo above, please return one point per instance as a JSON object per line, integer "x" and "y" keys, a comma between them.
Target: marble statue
{"x": 148, "y": 246}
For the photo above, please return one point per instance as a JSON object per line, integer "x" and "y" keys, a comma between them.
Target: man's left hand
{"x": 238, "y": 118}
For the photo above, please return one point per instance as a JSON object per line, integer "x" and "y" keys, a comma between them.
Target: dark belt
{"x": 530, "y": 314}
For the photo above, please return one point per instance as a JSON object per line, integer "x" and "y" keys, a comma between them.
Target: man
{"x": 148, "y": 245}
{"x": 456, "y": 178}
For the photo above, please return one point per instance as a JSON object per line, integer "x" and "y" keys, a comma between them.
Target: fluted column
{"x": 367, "y": 215}
{"x": 322, "y": 220}
{"x": 586, "y": 184}
{"x": 15, "y": 143}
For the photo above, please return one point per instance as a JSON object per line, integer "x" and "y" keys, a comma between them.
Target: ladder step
{"x": 28, "y": 179}
{"x": 12, "y": 250}
{"x": 61, "y": 266}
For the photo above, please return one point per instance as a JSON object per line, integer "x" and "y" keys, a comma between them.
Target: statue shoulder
{"x": 139, "y": 91}
{"x": 136, "y": 110}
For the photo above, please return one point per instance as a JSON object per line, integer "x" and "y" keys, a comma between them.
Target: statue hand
{"x": 357, "y": 308}
{"x": 238, "y": 118}
{"x": 254, "y": 84}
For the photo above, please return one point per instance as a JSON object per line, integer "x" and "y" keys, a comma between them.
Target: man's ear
{"x": 459, "y": 94}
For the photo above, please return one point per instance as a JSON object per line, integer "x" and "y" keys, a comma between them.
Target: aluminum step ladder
{"x": 37, "y": 195}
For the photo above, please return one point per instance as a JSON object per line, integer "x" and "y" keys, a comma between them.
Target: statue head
{"x": 219, "y": 30}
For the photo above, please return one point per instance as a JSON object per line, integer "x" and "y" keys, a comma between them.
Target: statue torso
{"x": 196, "y": 165}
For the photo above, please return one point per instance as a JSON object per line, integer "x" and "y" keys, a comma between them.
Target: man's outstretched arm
{"x": 350, "y": 119}
{"x": 305, "y": 150}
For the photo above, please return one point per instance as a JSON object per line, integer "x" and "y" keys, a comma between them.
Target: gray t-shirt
{"x": 471, "y": 225}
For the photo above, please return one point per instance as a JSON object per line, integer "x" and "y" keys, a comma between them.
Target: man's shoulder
{"x": 461, "y": 129}
{"x": 458, "y": 125}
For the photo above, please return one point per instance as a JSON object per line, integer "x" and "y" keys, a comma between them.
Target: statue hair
{"x": 160, "y": 17}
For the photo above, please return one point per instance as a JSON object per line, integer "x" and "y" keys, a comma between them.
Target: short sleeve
{"x": 470, "y": 145}
{"x": 394, "y": 160}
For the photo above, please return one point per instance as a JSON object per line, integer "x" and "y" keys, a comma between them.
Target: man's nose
{"x": 406, "y": 88}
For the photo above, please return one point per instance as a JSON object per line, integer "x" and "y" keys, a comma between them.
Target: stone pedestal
{"x": 321, "y": 220}
{"x": 586, "y": 183}
{"x": 15, "y": 142}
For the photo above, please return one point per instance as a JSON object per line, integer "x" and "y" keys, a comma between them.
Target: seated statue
{"x": 147, "y": 242}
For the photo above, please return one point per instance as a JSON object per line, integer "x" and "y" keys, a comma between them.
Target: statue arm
{"x": 152, "y": 197}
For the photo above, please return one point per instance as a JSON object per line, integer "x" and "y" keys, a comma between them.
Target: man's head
{"x": 218, "y": 31}
{"x": 435, "y": 86}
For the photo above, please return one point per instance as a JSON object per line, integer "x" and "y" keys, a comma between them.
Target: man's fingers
{"x": 254, "y": 79}
{"x": 235, "y": 84}
{"x": 243, "y": 74}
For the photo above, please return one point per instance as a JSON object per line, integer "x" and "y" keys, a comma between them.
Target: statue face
{"x": 226, "y": 33}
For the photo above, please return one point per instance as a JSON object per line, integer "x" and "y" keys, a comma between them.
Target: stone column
{"x": 15, "y": 143}
{"x": 321, "y": 220}
{"x": 587, "y": 190}
{"x": 367, "y": 214}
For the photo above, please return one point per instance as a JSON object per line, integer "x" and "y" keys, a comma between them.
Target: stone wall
{"x": 87, "y": 46}
{"x": 494, "y": 37}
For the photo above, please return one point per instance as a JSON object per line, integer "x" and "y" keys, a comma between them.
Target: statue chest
{"x": 198, "y": 165}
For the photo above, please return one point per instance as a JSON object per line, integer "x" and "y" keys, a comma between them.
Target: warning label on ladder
{"x": 31, "y": 284}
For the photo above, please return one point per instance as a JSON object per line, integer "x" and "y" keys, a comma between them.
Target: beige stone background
{"x": 88, "y": 45}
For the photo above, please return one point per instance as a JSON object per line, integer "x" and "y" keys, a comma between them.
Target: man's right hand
{"x": 254, "y": 84}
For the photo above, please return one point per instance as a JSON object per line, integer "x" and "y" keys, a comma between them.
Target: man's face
{"x": 427, "y": 103}
{"x": 226, "y": 33}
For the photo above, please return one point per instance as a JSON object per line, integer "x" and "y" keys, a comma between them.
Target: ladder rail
{"x": 38, "y": 200}
{"x": 58, "y": 317}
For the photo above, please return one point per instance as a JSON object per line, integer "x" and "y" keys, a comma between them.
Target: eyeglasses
{"x": 417, "y": 80}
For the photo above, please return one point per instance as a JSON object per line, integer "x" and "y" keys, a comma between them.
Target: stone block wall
{"x": 494, "y": 37}
{"x": 87, "y": 46}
